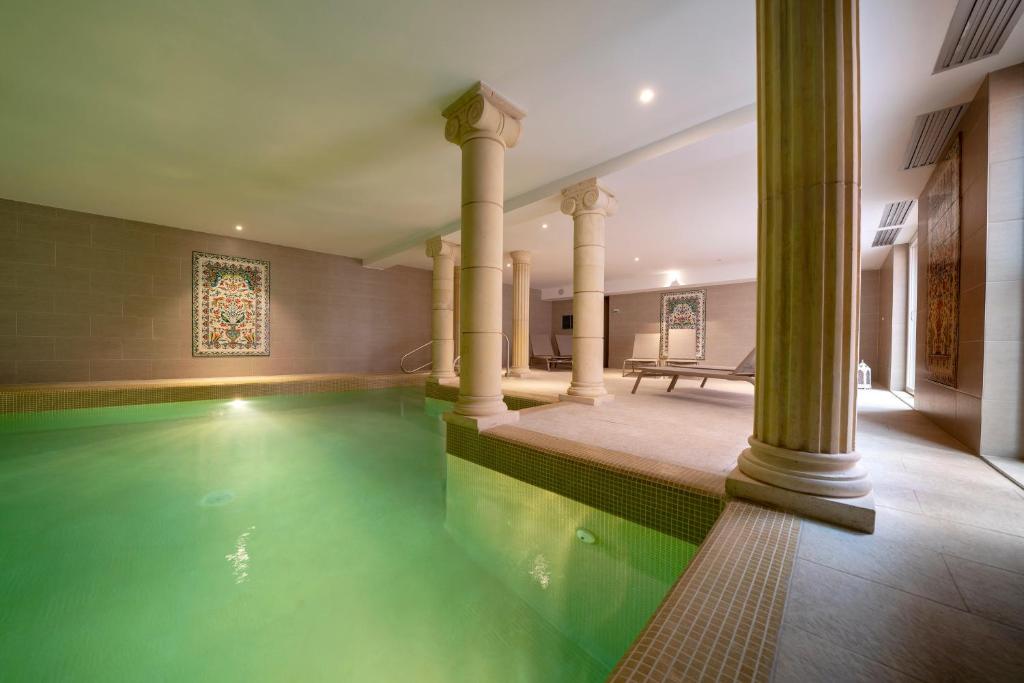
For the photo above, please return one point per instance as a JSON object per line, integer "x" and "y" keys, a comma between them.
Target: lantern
{"x": 863, "y": 376}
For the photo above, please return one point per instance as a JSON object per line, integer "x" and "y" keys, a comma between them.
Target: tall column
{"x": 589, "y": 204}
{"x": 443, "y": 316}
{"x": 808, "y": 272}
{"x": 520, "y": 314}
{"x": 484, "y": 125}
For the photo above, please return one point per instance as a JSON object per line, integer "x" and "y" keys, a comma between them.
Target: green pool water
{"x": 323, "y": 537}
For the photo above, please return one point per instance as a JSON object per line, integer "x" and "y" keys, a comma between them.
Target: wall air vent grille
{"x": 895, "y": 213}
{"x": 930, "y": 134}
{"x": 977, "y": 30}
{"x": 884, "y": 238}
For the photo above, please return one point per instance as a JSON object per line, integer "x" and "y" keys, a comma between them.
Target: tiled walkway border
{"x": 42, "y": 397}
{"x": 721, "y": 619}
{"x": 450, "y": 392}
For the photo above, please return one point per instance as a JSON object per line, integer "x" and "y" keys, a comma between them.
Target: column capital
{"x": 481, "y": 112}
{"x": 520, "y": 256}
{"x": 437, "y": 246}
{"x": 588, "y": 196}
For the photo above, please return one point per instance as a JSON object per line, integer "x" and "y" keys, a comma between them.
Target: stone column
{"x": 589, "y": 204}
{"x": 484, "y": 125}
{"x": 520, "y": 314}
{"x": 808, "y": 272}
{"x": 443, "y": 303}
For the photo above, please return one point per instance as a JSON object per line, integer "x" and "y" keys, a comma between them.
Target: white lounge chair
{"x": 646, "y": 350}
{"x": 564, "y": 343}
{"x": 744, "y": 372}
{"x": 682, "y": 347}
{"x": 543, "y": 353}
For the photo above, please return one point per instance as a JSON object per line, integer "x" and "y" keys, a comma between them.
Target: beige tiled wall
{"x": 958, "y": 409}
{"x": 731, "y": 321}
{"x": 86, "y": 297}
{"x": 870, "y": 294}
{"x": 1002, "y": 381}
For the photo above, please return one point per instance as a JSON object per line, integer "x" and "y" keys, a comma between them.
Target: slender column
{"x": 484, "y": 125}
{"x": 589, "y": 204}
{"x": 456, "y": 324}
{"x": 443, "y": 303}
{"x": 520, "y": 314}
{"x": 808, "y": 272}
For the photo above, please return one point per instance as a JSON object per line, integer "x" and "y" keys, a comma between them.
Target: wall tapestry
{"x": 230, "y": 306}
{"x": 943, "y": 303}
{"x": 683, "y": 310}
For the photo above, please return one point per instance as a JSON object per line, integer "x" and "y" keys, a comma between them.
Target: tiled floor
{"x": 937, "y": 593}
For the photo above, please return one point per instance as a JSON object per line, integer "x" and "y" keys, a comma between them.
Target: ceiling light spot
{"x": 239, "y": 228}
{"x": 544, "y": 225}
{"x": 646, "y": 96}
{"x": 508, "y": 265}
{"x": 636, "y": 258}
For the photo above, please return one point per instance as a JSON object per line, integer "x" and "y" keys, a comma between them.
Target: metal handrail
{"x": 401, "y": 363}
{"x": 426, "y": 365}
{"x": 508, "y": 354}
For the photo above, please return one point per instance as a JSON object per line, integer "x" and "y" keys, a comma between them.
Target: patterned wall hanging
{"x": 683, "y": 310}
{"x": 943, "y": 301}
{"x": 230, "y": 306}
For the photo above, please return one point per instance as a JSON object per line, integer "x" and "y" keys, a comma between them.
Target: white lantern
{"x": 863, "y": 376}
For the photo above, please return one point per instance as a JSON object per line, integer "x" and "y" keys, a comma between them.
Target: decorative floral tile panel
{"x": 943, "y": 284}
{"x": 230, "y": 306}
{"x": 683, "y": 311}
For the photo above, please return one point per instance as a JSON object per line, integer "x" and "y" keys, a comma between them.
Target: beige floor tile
{"x": 912, "y": 569}
{"x": 1003, "y": 515}
{"x": 803, "y": 657}
{"x": 910, "y": 634}
{"x": 950, "y": 538}
{"x": 990, "y": 592}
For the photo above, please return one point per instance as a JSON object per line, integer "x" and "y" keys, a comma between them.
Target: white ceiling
{"x": 317, "y": 124}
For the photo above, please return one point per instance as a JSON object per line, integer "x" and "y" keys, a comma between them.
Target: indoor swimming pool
{"x": 315, "y": 537}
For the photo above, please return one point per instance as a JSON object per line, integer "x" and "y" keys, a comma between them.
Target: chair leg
{"x": 672, "y": 384}
{"x": 637, "y": 383}
{"x": 703, "y": 382}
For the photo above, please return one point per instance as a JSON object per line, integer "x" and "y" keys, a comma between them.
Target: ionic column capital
{"x": 520, "y": 257}
{"x": 440, "y": 247}
{"x": 588, "y": 196}
{"x": 481, "y": 112}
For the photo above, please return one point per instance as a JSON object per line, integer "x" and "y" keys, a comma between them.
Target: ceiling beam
{"x": 389, "y": 256}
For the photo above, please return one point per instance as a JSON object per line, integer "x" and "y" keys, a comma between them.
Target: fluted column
{"x": 808, "y": 273}
{"x": 442, "y": 327}
{"x": 589, "y": 204}
{"x": 520, "y": 314}
{"x": 484, "y": 125}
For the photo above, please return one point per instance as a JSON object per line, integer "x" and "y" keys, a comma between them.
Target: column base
{"x": 482, "y": 423}
{"x": 588, "y": 400}
{"x": 835, "y": 475}
{"x": 441, "y": 379}
{"x": 853, "y": 513}
{"x": 519, "y": 372}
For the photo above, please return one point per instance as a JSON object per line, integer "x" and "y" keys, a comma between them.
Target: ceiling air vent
{"x": 977, "y": 30}
{"x": 884, "y": 238}
{"x": 931, "y": 131}
{"x": 895, "y": 213}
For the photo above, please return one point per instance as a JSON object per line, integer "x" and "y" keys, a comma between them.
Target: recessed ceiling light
{"x": 544, "y": 225}
{"x": 239, "y": 228}
{"x": 646, "y": 96}
{"x": 508, "y": 265}
{"x": 636, "y": 258}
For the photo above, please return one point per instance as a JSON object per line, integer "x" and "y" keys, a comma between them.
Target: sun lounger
{"x": 646, "y": 347}
{"x": 682, "y": 347}
{"x": 543, "y": 353}
{"x": 744, "y": 372}
{"x": 564, "y": 344}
